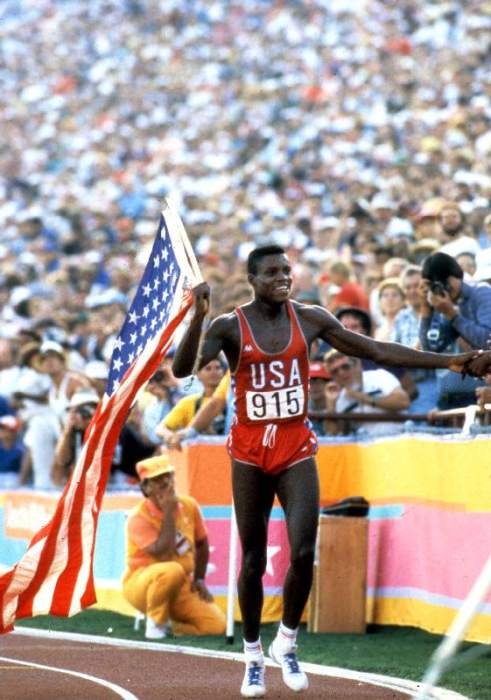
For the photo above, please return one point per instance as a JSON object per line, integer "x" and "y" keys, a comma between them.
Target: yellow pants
{"x": 163, "y": 592}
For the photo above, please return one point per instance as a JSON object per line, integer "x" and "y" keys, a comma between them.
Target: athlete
{"x": 271, "y": 445}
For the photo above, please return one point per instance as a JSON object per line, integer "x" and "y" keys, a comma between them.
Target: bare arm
{"x": 217, "y": 338}
{"x": 328, "y": 328}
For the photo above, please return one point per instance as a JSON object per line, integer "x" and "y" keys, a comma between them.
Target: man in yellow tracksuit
{"x": 167, "y": 554}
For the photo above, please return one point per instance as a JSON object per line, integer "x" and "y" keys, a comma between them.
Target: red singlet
{"x": 270, "y": 429}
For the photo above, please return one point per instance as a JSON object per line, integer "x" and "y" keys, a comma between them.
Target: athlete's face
{"x": 273, "y": 279}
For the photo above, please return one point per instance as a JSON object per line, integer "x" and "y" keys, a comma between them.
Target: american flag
{"x": 55, "y": 575}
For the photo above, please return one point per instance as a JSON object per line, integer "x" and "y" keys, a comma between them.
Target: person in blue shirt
{"x": 454, "y": 315}
{"x": 11, "y": 451}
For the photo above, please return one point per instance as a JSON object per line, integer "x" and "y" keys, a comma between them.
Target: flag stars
{"x": 118, "y": 344}
{"x": 146, "y": 311}
{"x": 156, "y": 284}
{"x": 143, "y": 330}
{"x": 156, "y": 261}
{"x": 133, "y": 317}
{"x": 133, "y": 338}
{"x": 165, "y": 255}
{"x": 155, "y": 304}
{"x": 146, "y": 290}
{"x": 153, "y": 323}
{"x": 117, "y": 364}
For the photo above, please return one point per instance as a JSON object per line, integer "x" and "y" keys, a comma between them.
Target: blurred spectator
{"x": 219, "y": 408}
{"x": 454, "y": 233}
{"x": 173, "y": 428}
{"x": 467, "y": 262}
{"x": 353, "y": 389}
{"x": 318, "y": 379}
{"x": 41, "y": 431}
{"x": 345, "y": 291}
{"x": 11, "y": 452}
{"x": 97, "y": 372}
{"x": 391, "y": 299}
{"x": 406, "y": 332}
{"x": 165, "y": 393}
{"x": 64, "y": 383}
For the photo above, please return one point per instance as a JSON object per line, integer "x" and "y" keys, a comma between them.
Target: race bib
{"x": 271, "y": 405}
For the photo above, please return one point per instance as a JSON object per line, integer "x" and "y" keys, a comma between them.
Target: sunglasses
{"x": 344, "y": 367}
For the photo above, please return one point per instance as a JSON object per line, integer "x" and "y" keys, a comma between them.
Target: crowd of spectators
{"x": 355, "y": 134}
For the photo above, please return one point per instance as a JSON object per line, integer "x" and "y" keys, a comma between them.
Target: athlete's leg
{"x": 253, "y": 499}
{"x": 298, "y": 492}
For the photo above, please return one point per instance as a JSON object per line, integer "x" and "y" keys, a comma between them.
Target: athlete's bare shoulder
{"x": 225, "y": 325}
{"x": 314, "y": 319}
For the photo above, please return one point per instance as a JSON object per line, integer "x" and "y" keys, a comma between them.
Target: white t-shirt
{"x": 378, "y": 383}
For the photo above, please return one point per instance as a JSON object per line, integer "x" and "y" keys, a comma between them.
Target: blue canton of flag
{"x": 150, "y": 309}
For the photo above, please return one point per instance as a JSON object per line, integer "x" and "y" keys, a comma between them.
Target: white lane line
{"x": 122, "y": 692}
{"x": 400, "y": 684}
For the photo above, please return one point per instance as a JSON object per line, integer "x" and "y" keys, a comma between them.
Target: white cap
{"x": 382, "y": 201}
{"x": 96, "y": 369}
{"x": 82, "y": 397}
{"x": 51, "y": 346}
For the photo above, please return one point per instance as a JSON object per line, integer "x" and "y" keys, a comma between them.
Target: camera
{"x": 438, "y": 287}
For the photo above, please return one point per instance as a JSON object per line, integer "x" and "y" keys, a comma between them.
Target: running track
{"x": 40, "y": 665}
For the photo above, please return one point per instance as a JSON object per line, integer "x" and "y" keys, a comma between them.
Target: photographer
{"x": 130, "y": 447}
{"x": 454, "y": 315}
{"x": 81, "y": 409}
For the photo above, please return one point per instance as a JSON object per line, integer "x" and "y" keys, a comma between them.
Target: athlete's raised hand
{"x": 201, "y": 294}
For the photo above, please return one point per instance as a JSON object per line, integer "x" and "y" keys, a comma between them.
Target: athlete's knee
{"x": 253, "y": 565}
{"x": 302, "y": 557}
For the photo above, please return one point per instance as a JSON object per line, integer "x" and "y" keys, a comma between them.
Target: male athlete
{"x": 272, "y": 447}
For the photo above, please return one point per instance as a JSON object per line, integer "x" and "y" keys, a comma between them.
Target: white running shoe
{"x": 293, "y": 676}
{"x": 253, "y": 684}
{"x": 155, "y": 631}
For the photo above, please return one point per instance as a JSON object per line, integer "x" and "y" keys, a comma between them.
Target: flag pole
{"x": 232, "y": 576}
{"x": 443, "y": 655}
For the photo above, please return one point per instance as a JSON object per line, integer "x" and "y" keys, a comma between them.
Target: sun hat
{"x": 153, "y": 467}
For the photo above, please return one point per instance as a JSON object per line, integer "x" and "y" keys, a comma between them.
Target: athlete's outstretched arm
{"x": 384, "y": 353}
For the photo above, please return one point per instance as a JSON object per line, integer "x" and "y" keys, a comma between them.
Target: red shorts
{"x": 273, "y": 447}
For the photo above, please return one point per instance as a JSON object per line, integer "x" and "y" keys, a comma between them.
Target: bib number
{"x": 271, "y": 405}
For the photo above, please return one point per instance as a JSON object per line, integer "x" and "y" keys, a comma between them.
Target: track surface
{"x": 143, "y": 672}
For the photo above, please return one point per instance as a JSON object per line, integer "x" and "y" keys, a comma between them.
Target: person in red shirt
{"x": 272, "y": 447}
{"x": 350, "y": 292}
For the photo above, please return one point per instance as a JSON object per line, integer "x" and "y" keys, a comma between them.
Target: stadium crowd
{"x": 355, "y": 135}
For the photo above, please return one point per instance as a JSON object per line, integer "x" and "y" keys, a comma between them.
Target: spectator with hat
{"x": 12, "y": 451}
{"x": 167, "y": 557}
{"x": 64, "y": 382}
{"x": 318, "y": 379}
{"x": 41, "y": 431}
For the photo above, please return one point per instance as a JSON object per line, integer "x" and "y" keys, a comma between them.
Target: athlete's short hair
{"x": 259, "y": 253}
